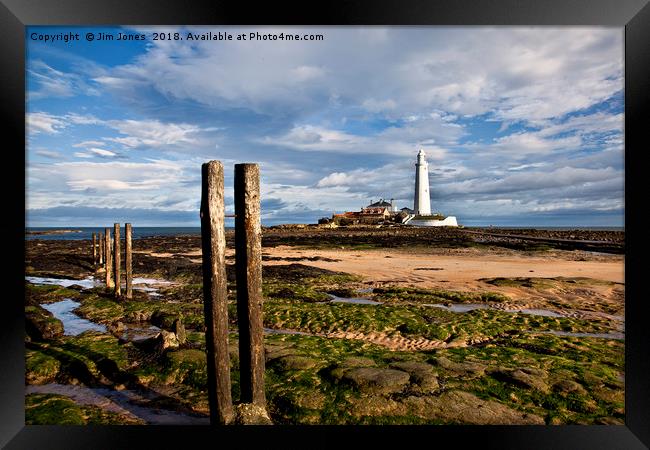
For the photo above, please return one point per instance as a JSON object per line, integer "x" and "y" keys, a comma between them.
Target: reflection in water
{"x": 72, "y": 323}
{"x": 121, "y": 402}
{"x": 139, "y": 280}
{"x": 466, "y": 307}
{"x": 355, "y": 300}
{"x": 617, "y": 336}
{"x": 536, "y": 312}
{"x": 87, "y": 282}
{"x": 139, "y": 284}
{"x": 458, "y": 307}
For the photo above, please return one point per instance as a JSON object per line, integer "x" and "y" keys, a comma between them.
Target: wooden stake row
{"x": 107, "y": 255}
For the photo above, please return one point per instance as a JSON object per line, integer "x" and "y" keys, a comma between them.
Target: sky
{"x": 522, "y": 126}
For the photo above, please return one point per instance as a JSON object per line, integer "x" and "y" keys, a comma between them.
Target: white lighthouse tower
{"x": 422, "y": 202}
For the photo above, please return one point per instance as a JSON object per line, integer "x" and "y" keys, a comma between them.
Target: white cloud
{"x": 136, "y": 133}
{"x": 375, "y": 106}
{"x": 43, "y": 122}
{"x": 276, "y": 171}
{"x": 521, "y": 143}
{"x": 301, "y": 198}
{"x": 338, "y": 179}
{"x": 525, "y": 166}
{"x": 305, "y": 73}
{"x": 584, "y": 124}
{"x": 116, "y": 184}
{"x": 113, "y": 185}
{"x": 102, "y": 152}
{"x": 49, "y": 154}
{"x": 40, "y": 122}
{"x": 152, "y": 133}
{"x": 532, "y": 180}
{"x": 79, "y": 119}
{"x": 310, "y": 137}
{"x": 55, "y": 83}
{"x": 395, "y": 141}
{"x": 431, "y": 129}
{"x": 515, "y": 73}
{"x": 88, "y": 144}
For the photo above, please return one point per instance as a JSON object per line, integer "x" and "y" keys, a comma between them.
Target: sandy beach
{"x": 458, "y": 269}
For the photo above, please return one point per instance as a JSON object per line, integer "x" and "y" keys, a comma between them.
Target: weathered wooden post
{"x": 248, "y": 255}
{"x": 128, "y": 260}
{"x": 215, "y": 292}
{"x": 116, "y": 257}
{"x": 109, "y": 260}
{"x": 94, "y": 249}
{"x": 179, "y": 329}
{"x": 101, "y": 248}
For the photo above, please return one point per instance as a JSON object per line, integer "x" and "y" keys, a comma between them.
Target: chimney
{"x": 392, "y": 205}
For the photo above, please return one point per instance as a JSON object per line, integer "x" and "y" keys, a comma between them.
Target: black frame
{"x": 634, "y": 15}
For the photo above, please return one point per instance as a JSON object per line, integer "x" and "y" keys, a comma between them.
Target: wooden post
{"x": 248, "y": 254}
{"x": 128, "y": 260}
{"x": 101, "y": 248}
{"x": 109, "y": 260}
{"x": 116, "y": 257}
{"x": 94, "y": 249}
{"x": 215, "y": 292}
{"x": 179, "y": 329}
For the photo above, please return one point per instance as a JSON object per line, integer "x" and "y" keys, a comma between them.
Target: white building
{"x": 383, "y": 204}
{"x": 422, "y": 201}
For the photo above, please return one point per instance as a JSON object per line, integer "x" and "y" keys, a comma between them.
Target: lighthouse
{"x": 422, "y": 202}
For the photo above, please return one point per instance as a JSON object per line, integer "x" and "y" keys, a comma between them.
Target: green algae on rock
{"x": 53, "y": 409}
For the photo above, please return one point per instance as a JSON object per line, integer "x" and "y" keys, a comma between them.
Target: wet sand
{"x": 457, "y": 270}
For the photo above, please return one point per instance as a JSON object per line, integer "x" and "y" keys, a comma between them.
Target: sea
{"x": 83, "y": 233}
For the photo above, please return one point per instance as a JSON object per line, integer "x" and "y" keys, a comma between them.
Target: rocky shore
{"x": 363, "y": 326}
{"x": 409, "y": 236}
{"x": 613, "y": 236}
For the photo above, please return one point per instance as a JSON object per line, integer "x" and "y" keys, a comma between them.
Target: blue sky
{"x": 521, "y": 125}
